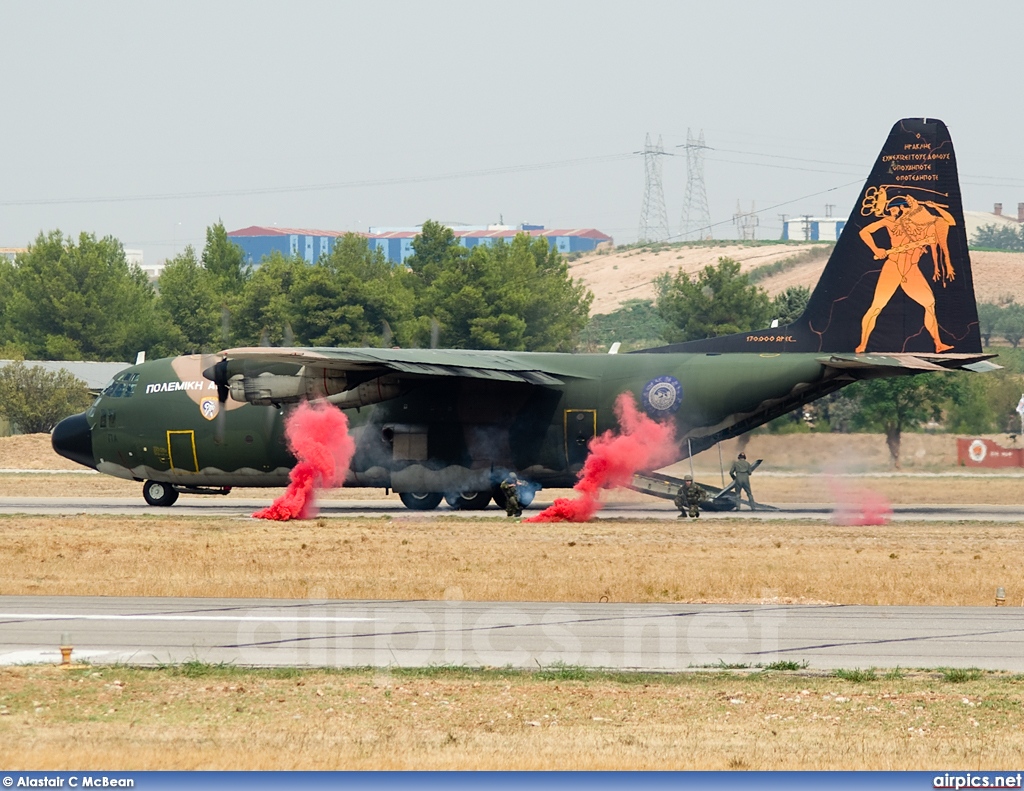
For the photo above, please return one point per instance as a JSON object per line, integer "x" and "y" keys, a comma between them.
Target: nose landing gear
{"x": 159, "y": 494}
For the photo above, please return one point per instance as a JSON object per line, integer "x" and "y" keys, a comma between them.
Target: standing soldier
{"x": 689, "y": 498}
{"x": 510, "y": 488}
{"x": 740, "y": 472}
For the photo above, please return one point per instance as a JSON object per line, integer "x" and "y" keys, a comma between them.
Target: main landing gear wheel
{"x": 420, "y": 501}
{"x": 468, "y": 501}
{"x": 160, "y": 494}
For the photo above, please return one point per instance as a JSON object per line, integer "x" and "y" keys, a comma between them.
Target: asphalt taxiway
{"x": 649, "y": 509}
{"x": 655, "y": 637}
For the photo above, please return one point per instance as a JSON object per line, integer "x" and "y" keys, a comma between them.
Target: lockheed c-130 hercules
{"x": 895, "y": 298}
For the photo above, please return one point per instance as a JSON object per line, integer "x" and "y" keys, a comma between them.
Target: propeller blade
{"x": 265, "y": 337}
{"x": 387, "y": 335}
{"x": 435, "y": 333}
{"x": 218, "y": 374}
{"x": 219, "y": 424}
{"x": 288, "y": 339}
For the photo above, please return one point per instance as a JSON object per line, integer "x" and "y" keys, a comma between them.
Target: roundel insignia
{"x": 977, "y": 451}
{"x": 209, "y": 407}
{"x": 662, "y": 395}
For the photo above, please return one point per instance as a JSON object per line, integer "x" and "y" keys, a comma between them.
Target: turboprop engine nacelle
{"x": 270, "y": 389}
{"x": 383, "y": 388}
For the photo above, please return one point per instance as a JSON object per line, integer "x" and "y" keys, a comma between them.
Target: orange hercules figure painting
{"x": 913, "y": 228}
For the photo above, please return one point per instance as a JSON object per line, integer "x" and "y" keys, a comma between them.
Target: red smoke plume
{"x": 317, "y": 435}
{"x": 643, "y": 444}
{"x": 859, "y": 506}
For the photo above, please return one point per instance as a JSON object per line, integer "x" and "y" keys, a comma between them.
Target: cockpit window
{"x": 122, "y": 385}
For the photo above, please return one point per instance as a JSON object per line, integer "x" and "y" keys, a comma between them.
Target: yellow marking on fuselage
{"x": 170, "y": 450}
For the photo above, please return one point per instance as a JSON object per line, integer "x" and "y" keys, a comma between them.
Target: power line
{"x": 330, "y": 186}
{"x": 789, "y": 202}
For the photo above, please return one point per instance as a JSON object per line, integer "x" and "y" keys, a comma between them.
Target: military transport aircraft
{"x": 895, "y": 298}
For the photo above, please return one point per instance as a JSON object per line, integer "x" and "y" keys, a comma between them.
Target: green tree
{"x": 989, "y": 315}
{"x": 556, "y": 307}
{"x": 790, "y": 304}
{"x": 902, "y": 403}
{"x": 225, "y": 261}
{"x": 82, "y": 300}
{"x": 516, "y": 296}
{"x": 326, "y": 308}
{"x": 636, "y": 325}
{"x": 719, "y": 301}
{"x": 457, "y": 296}
{"x": 34, "y": 400}
{"x": 7, "y": 276}
{"x": 1010, "y": 323}
{"x": 188, "y": 296}
{"x": 975, "y": 412}
{"x": 432, "y": 251}
{"x": 998, "y": 237}
{"x": 386, "y": 293}
{"x": 265, "y": 308}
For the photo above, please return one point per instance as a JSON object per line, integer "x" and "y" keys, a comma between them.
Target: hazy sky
{"x": 148, "y": 121}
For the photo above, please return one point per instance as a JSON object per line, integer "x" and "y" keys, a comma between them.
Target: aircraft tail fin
{"x": 899, "y": 279}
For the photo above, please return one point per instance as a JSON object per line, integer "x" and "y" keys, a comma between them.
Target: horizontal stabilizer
{"x": 913, "y": 362}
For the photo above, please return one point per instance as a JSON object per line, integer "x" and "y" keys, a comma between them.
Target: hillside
{"x": 625, "y": 274}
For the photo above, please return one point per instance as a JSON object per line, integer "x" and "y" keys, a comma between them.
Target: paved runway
{"x": 423, "y": 633}
{"x": 193, "y": 505}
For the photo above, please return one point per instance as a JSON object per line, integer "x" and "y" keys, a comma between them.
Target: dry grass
{"x": 203, "y": 717}
{"x": 728, "y": 560}
{"x": 620, "y": 275}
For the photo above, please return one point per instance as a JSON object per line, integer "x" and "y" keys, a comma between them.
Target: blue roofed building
{"x": 257, "y": 242}
{"x": 397, "y": 242}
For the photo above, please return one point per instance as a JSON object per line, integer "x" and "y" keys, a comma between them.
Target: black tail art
{"x": 899, "y": 279}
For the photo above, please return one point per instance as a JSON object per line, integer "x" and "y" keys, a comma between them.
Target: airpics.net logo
{"x": 973, "y": 780}
{"x": 662, "y": 395}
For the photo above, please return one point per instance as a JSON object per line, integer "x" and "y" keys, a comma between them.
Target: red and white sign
{"x": 986, "y": 453}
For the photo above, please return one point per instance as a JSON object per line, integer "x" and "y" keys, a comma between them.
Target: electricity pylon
{"x": 696, "y": 220}
{"x": 653, "y": 216}
{"x": 746, "y": 222}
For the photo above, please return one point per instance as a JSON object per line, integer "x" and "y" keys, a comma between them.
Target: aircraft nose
{"x": 72, "y": 439}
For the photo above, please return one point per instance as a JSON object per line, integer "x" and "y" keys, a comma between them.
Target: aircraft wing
{"x": 913, "y": 362}
{"x": 495, "y": 366}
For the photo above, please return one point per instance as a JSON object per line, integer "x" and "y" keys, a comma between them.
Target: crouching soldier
{"x": 510, "y": 488}
{"x": 689, "y": 498}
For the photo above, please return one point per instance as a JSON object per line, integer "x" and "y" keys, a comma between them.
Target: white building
{"x": 812, "y": 229}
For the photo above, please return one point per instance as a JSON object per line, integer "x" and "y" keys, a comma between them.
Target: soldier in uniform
{"x": 510, "y": 488}
{"x": 740, "y": 472}
{"x": 689, "y": 498}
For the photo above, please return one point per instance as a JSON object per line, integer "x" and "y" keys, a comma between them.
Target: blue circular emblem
{"x": 662, "y": 396}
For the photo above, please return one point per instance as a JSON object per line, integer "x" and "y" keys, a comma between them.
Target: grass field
{"x": 203, "y": 717}
{"x": 722, "y": 560}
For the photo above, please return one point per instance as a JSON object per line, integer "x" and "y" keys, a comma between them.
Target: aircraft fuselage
{"x": 158, "y": 421}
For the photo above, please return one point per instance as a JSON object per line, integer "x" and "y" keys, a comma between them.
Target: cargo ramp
{"x": 666, "y": 486}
